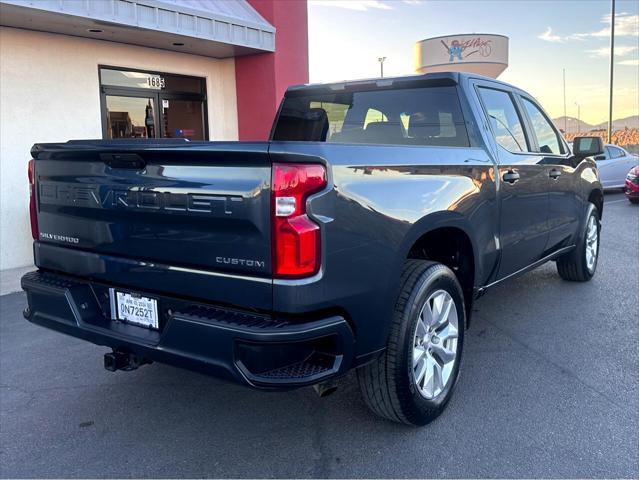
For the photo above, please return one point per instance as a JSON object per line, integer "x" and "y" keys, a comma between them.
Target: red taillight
{"x": 296, "y": 238}
{"x": 32, "y": 201}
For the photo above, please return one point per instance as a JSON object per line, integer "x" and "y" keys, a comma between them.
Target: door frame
{"x": 505, "y": 159}
{"x": 566, "y": 184}
{"x": 157, "y": 95}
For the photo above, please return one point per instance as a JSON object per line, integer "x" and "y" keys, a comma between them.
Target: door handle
{"x": 510, "y": 176}
{"x": 554, "y": 173}
{"x": 123, "y": 160}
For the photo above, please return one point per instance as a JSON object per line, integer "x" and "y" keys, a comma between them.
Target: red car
{"x": 632, "y": 185}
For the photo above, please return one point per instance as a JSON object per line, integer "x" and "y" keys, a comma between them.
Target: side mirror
{"x": 587, "y": 146}
{"x": 600, "y": 157}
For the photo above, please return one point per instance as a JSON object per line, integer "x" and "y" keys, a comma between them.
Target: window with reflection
{"x": 428, "y": 116}
{"x": 130, "y": 117}
{"x": 138, "y": 104}
{"x": 504, "y": 119}
{"x": 547, "y": 136}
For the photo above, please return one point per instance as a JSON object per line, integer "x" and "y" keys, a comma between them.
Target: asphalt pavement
{"x": 549, "y": 388}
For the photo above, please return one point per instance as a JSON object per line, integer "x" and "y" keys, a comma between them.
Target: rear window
{"x": 411, "y": 116}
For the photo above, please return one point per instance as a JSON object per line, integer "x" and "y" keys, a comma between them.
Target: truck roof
{"x": 425, "y": 79}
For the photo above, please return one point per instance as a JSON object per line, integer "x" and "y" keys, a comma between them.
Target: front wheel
{"x": 413, "y": 380}
{"x": 580, "y": 264}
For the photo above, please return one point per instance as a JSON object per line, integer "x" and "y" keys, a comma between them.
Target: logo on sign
{"x": 461, "y": 50}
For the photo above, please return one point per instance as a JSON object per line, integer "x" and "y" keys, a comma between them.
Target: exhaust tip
{"x": 325, "y": 389}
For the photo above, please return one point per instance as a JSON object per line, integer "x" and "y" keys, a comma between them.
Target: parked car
{"x": 632, "y": 185}
{"x": 357, "y": 237}
{"x": 613, "y": 166}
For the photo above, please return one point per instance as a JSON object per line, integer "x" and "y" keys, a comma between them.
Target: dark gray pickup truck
{"x": 357, "y": 237}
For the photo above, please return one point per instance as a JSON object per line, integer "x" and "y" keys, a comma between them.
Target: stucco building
{"x": 198, "y": 69}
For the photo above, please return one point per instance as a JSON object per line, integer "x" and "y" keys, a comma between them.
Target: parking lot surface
{"x": 549, "y": 387}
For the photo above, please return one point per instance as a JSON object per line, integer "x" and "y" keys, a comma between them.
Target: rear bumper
{"x": 248, "y": 348}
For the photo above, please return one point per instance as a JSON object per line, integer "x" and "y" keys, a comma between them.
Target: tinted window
{"x": 507, "y": 126}
{"x": 547, "y": 136}
{"x": 415, "y": 116}
{"x": 374, "y": 116}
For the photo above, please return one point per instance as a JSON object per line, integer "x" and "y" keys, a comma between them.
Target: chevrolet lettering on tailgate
{"x": 56, "y": 193}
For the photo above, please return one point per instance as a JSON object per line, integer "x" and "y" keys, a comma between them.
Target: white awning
{"x": 211, "y": 28}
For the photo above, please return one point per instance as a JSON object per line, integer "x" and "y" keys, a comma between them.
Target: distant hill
{"x": 573, "y": 126}
{"x": 620, "y": 124}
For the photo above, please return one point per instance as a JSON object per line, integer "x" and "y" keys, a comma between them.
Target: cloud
{"x": 413, "y": 2}
{"x": 548, "y": 36}
{"x": 626, "y": 25}
{"x": 631, "y": 63}
{"x": 359, "y": 5}
{"x": 620, "y": 51}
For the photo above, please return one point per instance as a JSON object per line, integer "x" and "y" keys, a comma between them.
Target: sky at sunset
{"x": 347, "y": 36}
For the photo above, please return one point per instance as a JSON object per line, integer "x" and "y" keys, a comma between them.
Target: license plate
{"x": 134, "y": 308}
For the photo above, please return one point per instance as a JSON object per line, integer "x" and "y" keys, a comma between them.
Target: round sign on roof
{"x": 485, "y": 54}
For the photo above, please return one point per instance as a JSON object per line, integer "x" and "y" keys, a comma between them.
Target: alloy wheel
{"x": 435, "y": 344}
{"x": 592, "y": 243}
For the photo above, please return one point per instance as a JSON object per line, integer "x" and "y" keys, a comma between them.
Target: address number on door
{"x": 155, "y": 81}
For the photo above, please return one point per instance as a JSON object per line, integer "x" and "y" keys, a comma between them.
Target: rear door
{"x": 614, "y": 166}
{"x": 522, "y": 182}
{"x": 561, "y": 179}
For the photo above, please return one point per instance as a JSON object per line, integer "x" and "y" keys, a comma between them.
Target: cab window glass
{"x": 547, "y": 136}
{"x": 408, "y": 116}
{"x": 373, "y": 116}
{"x": 405, "y": 119}
{"x": 335, "y": 113}
{"x": 505, "y": 121}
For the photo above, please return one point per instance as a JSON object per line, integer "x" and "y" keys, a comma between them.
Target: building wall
{"x": 262, "y": 79}
{"x": 49, "y": 92}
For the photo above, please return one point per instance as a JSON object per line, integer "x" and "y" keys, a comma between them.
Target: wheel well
{"x": 451, "y": 247}
{"x": 596, "y": 198}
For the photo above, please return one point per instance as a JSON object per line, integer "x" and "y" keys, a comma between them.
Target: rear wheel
{"x": 580, "y": 264}
{"x": 413, "y": 380}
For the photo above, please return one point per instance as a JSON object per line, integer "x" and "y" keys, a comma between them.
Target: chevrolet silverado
{"x": 357, "y": 237}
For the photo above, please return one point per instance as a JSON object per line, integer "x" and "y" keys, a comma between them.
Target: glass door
{"x": 182, "y": 118}
{"x": 130, "y": 117}
{"x": 138, "y": 104}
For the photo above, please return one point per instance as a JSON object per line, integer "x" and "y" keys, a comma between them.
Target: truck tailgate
{"x": 201, "y": 206}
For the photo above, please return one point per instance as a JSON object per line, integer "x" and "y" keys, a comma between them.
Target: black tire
{"x": 387, "y": 384}
{"x": 634, "y": 200}
{"x": 573, "y": 266}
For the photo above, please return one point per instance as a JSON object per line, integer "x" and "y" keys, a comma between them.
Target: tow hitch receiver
{"x": 121, "y": 360}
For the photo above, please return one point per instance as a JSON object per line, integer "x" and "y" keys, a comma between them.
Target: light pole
{"x": 565, "y": 119}
{"x": 578, "y": 117}
{"x": 381, "y": 61}
{"x": 612, "y": 67}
